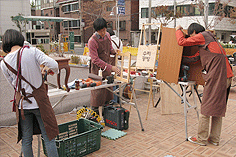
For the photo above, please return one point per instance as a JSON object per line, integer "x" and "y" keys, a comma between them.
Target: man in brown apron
{"x": 217, "y": 75}
{"x": 100, "y": 49}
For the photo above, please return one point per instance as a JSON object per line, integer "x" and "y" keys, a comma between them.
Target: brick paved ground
{"x": 163, "y": 135}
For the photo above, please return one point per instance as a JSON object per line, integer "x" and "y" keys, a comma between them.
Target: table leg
{"x": 67, "y": 67}
{"x": 58, "y": 79}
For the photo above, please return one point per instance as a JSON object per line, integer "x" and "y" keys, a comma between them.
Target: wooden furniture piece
{"x": 63, "y": 63}
{"x": 170, "y": 58}
{"x": 124, "y": 58}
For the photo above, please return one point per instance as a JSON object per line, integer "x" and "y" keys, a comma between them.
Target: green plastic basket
{"x": 77, "y": 138}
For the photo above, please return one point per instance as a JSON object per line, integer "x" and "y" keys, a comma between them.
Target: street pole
{"x": 116, "y": 20}
{"x": 80, "y": 27}
{"x": 149, "y": 21}
{"x": 118, "y": 26}
{"x": 206, "y": 5}
{"x": 174, "y": 13}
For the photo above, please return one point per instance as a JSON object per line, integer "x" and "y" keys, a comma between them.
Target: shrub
{"x": 75, "y": 59}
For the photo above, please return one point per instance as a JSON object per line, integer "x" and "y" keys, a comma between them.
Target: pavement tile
{"x": 163, "y": 135}
{"x": 195, "y": 155}
{"x": 220, "y": 154}
{"x": 162, "y": 153}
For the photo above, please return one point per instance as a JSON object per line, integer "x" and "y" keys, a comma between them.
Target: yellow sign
{"x": 65, "y": 46}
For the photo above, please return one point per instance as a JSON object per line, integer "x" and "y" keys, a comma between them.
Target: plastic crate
{"x": 77, "y": 138}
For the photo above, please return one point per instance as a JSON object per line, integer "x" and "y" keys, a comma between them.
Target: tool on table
{"x": 110, "y": 79}
{"x": 90, "y": 83}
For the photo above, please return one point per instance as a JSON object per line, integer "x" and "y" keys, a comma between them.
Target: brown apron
{"x": 100, "y": 96}
{"x": 42, "y": 99}
{"x": 215, "y": 89}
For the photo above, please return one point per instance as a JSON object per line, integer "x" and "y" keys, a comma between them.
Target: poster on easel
{"x": 146, "y": 57}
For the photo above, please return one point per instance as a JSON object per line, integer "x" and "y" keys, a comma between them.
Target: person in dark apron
{"x": 34, "y": 112}
{"x": 217, "y": 74}
{"x": 100, "y": 49}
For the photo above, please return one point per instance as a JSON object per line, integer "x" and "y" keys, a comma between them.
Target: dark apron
{"x": 215, "y": 89}
{"x": 100, "y": 96}
{"x": 47, "y": 113}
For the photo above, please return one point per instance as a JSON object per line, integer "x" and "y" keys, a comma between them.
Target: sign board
{"x": 121, "y": 10}
{"x": 121, "y": 2}
{"x": 146, "y": 57}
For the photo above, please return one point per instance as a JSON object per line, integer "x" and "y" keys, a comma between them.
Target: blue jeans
{"x": 27, "y": 134}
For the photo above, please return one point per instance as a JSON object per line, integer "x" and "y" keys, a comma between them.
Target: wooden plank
{"x": 170, "y": 102}
{"x": 170, "y": 57}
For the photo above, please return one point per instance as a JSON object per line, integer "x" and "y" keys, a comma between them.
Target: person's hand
{"x": 49, "y": 71}
{"x": 117, "y": 51}
{"x": 178, "y": 27}
{"x": 115, "y": 69}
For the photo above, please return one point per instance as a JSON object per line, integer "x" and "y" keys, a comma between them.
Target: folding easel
{"x": 146, "y": 59}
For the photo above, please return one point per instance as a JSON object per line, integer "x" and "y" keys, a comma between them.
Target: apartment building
{"x": 223, "y": 28}
{"x": 82, "y": 25}
{"x": 13, "y": 8}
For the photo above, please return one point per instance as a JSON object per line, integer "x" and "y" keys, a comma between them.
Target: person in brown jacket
{"x": 217, "y": 74}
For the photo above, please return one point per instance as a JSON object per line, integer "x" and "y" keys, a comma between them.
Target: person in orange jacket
{"x": 217, "y": 74}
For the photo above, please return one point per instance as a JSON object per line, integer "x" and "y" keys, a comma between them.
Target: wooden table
{"x": 63, "y": 63}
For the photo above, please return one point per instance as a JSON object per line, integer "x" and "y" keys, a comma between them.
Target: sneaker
{"x": 195, "y": 141}
{"x": 214, "y": 143}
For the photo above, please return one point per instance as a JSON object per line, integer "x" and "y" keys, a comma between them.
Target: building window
{"x": 122, "y": 25}
{"x": 74, "y": 6}
{"x": 110, "y": 24}
{"x": 73, "y": 23}
{"x": 211, "y": 9}
{"x": 185, "y": 10}
{"x": 197, "y": 11}
{"x": 65, "y": 24}
{"x": 109, "y": 8}
{"x": 70, "y": 7}
{"x": 42, "y": 14}
{"x": 77, "y": 38}
{"x": 144, "y": 12}
{"x": 67, "y": 8}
